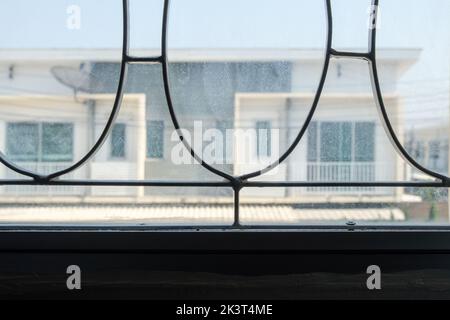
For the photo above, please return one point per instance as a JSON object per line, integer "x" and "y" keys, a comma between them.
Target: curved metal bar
{"x": 378, "y": 95}
{"x": 165, "y": 72}
{"x": 299, "y": 136}
{"x": 312, "y": 111}
{"x": 114, "y": 112}
{"x": 117, "y": 101}
{"x": 16, "y": 168}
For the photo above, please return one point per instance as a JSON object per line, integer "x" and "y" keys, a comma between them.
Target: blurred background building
{"x": 255, "y": 78}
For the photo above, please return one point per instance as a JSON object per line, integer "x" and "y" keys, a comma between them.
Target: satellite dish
{"x": 78, "y": 79}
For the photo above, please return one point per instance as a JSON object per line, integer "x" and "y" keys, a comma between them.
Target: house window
{"x": 364, "y": 142}
{"x": 22, "y": 141}
{"x": 419, "y": 151}
{"x": 434, "y": 148}
{"x": 118, "y": 141}
{"x": 223, "y": 126}
{"x": 336, "y": 142}
{"x": 341, "y": 142}
{"x": 155, "y": 139}
{"x": 312, "y": 142}
{"x": 263, "y": 136}
{"x": 39, "y": 142}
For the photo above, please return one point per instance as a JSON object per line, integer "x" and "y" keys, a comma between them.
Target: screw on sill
{"x": 351, "y": 224}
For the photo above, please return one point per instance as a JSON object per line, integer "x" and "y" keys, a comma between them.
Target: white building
{"x": 48, "y": 132}
{"x": 46, "y": 127}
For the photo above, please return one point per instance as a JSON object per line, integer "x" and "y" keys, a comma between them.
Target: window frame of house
{"x": 263, "y": 144}
{"x": 159, "y": 126}
{"x": 314, "y": 150}
{"x": 113, "y": 142}
{"x": 40, "y": 127}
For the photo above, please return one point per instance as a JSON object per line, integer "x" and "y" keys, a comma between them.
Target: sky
{"x": 284, "y": 24}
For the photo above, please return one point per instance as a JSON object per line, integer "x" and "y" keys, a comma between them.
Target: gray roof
{"x": 184, "y": 214}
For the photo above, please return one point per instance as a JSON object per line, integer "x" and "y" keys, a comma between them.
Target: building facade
{"x": 268, "y": 92}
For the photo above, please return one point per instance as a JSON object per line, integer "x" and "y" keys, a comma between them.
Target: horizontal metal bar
{"x": 265, "y": 184}
{"x": 352, "y": 55}
{"x": 243, "y": 183}
{"x": 148, "y": 60}
{"x": 118, "y": 183}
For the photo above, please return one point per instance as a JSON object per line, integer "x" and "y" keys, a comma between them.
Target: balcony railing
{"x": 316, "y": 172}
{"x": 344, "y": 172}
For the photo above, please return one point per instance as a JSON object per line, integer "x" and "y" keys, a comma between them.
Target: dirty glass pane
{"x": 415, "y": 77}
{"x": 118, "y": 140}
{"x": 57, "y": 142}
{"x": 264, "y": 143}
{"x": 245, "y": 63}
{"x": 243, "y": 76}
{"x": 155, "y": 140}
{"x": 312, "y": 142}
{"x": 364, "y": 141}
{"x": 22, "y": 141}
{"x": 320, "y": 206}
{"x": 51, "y": 53}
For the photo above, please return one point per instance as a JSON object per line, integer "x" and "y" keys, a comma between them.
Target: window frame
{"x": 40, "y": 126}
{"x": 244, "y": 181}
{"x": 318, "y": 145}
{"x": 161, "y": 124}
{"x": 111, "y": 156}
{"x": 263, "y": 127}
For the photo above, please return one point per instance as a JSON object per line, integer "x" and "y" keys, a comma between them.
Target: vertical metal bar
{"x": 237, "y": 218}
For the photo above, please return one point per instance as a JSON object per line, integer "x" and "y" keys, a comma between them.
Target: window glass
{"x": 312, "y": 142}
{"x": 336, "y": 140}
{"x": 364, "y": 141}
{"x": 232, "y": 64}
{"x": 118, "y": 140}
{"x": 329, "y": 141}
{"x": 417, "y": 99}
{"x": 57, "y": 142}
{"x": 342, "y": 141}
{"x": 155, "y": 139}
{"x": 40, "y": 142}
{"x": 50, "y": 60}
{"x": 346, "y": 138}
{"x": 250, "y": 66}
{"x": 264, "y": 138}
{"x": 22, "y": 141}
